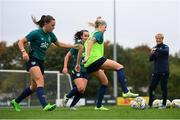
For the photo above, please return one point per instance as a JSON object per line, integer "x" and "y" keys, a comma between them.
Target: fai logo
{"x": 44, "y": 45}
{"x": 42, "y": 38}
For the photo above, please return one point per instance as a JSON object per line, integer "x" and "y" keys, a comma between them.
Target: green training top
{"x": 40, "y": 42}
{"x": 74, "y": 53}
{"x": 97, "y": 50}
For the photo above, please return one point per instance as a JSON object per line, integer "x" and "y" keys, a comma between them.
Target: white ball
{"x": 176, "y": 103}
{"x": 156, "y": 103}
{"x": 168, "y": 103}
{"x": 138, "y": 103}
{"x": 133, "y": 104}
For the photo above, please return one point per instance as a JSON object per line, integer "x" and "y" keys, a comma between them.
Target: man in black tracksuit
{"x": 159, "y": 55}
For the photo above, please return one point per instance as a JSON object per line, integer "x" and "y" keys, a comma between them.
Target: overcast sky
{"x": 137, "y": 21}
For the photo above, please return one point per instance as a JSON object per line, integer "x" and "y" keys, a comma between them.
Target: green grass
{"x": 88, "y": 112}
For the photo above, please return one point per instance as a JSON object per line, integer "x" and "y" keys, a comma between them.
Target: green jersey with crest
{"x": 40, "y": 42}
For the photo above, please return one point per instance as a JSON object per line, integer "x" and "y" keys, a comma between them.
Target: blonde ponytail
{"x": 99, "y": 21}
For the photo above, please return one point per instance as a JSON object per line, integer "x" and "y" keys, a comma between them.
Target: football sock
{"x": 41, "y": 96}
{"x": 122, "y": 79}
{"x": 77, "y": 97}
{"x": 26, "y": 92}
{"x": 72, "y": 92}
{"x": 100, "y": 96}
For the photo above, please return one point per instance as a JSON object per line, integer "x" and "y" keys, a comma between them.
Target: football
{"x": 157, "y": 103}
{"x": 138, "y": 103}
{"x": 168, "y": 103}
{"x": 134, "y": 104}
{"x": 176, "y": 103}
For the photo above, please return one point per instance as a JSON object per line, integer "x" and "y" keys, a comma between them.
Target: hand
{"x": 77, "y": 68}
{"x": 65, "y": 71}
{"x": 25, "y": 56}
{"x": 153, "y": 50}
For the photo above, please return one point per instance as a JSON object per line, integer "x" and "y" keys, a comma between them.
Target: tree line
{"x": 135, "y": 60}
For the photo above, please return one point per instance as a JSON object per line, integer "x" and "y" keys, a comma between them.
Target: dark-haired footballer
{"x": 40, "y": 40}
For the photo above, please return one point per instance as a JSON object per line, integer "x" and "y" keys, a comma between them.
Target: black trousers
{"x": 156, "y": 77}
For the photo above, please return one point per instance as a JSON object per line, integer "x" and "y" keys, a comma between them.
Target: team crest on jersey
{"x": 42, "y": 39}
{"x": 77, "y": 74}
{"x": 33, "y": 62}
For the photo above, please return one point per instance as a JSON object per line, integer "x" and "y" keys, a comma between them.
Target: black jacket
{"x": 160, "y": 58}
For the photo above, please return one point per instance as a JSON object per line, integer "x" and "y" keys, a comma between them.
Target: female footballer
{"x": 39, "y": 40}
{"x": 79, "y": 77}
{"x": 95, "y": 63}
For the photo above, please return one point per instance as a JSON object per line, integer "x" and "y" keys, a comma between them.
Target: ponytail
{"x": 44, "y": 19}
{"x": 99, "y": 21}
{"x": 78, "y": 34}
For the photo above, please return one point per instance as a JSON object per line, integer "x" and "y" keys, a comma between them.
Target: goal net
{"x": 13, "y": 82}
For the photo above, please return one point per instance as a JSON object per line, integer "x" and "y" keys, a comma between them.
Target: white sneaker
{"x": 65, "y": 100}
{"x": 73, "y": 108}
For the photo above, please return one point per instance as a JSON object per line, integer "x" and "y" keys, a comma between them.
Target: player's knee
{"x": 81, "y": 89}
{"x": 120, "y": 67}
{"x": 40, "y": 82}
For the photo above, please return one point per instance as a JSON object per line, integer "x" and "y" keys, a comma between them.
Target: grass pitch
{"x": 88, "y": 112}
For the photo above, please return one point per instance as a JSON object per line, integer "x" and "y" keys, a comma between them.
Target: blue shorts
{"x": 95, "y": 66}
{"x": 75, "y": 75}
{"x": 35, "y": 62}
